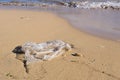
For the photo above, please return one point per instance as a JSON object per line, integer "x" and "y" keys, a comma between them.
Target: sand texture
{"x": 98, "y": 60}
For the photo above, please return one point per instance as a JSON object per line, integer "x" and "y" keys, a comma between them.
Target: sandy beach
{"x": 99, "y": 58}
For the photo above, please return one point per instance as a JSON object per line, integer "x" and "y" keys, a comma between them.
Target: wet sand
{"x": 99, "y": 60}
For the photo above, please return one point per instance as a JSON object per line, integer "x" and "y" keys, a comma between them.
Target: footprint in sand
{"x": 26, "y": 18}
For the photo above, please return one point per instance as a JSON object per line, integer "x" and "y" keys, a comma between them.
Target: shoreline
{"x": 100, "y": 58}
{"x": 104, "y": 25}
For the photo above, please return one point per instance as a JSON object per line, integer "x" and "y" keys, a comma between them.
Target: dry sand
{"x": 99, "y": 61}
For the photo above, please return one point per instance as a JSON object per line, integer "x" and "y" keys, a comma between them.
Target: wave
{"x": 70, "y": 4}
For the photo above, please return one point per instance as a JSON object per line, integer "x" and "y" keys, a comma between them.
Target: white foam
{"x": 89, "y": 5}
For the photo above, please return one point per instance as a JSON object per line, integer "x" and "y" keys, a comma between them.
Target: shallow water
{"x": 100, "y": 22}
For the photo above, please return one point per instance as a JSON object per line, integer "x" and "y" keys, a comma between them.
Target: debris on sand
{"x": 75, "y": 54}
{"x": 43, "y": 51}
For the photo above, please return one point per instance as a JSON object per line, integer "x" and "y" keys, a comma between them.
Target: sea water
{"x": 54, "y": 0}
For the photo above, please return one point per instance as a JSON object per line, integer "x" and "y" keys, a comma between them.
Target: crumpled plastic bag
{"x": 44, "y": 51}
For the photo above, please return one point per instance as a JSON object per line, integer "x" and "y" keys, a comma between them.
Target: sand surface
{"x": 99, "y": 61}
